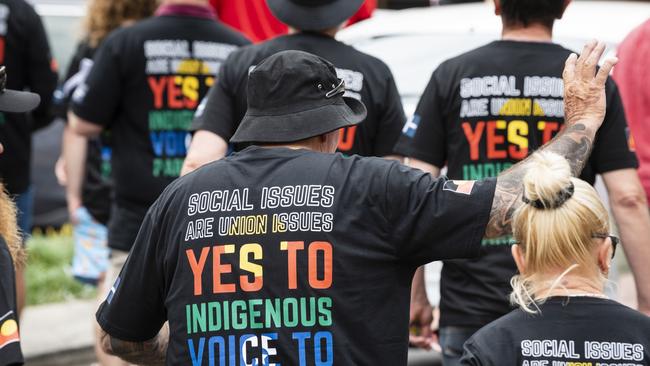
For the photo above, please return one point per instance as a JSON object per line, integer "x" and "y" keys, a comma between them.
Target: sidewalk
{"x": 56, "y": 329}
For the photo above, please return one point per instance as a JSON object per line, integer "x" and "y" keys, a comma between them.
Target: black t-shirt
{"x": 146, "y": 82}
{"x": 366, "y": 78}
{"x": 25, "y": 52}
{"x": 10, "y": 353}
{"x": 96, "y": 190}
{"x": 574, "y": 331}
{"x": 481, "y": 113}
{"x": 302, "y": 257}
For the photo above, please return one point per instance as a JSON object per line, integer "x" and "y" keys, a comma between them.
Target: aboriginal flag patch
{"x": 459, "y": 186}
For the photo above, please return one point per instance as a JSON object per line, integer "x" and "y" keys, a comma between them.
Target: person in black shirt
{"x": 285, "y": 253}
{"x": 12, "y": 254}
{"x": 313, "y": 26}
{"x": 25, "y": 52}
{"x": 486, "y": 110}
{"x": 146, "y": 82}
{"x": 564, "y": 252}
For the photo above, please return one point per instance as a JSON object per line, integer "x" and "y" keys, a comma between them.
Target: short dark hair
{"x": 525, "y": 12}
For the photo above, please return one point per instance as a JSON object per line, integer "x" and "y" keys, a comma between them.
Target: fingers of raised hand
{"x": 570, "y": 67}
{"x": 584, "y": 55}
{"x": 591, "y": 61}
{"x": 605, "y": 70}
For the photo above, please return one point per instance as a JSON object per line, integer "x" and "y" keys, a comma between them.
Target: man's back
{"x": 482, "y": 112}
{"x": 292, "y": 255}
{"x": 366, "y": 78}
{"x": 145, "y": 84}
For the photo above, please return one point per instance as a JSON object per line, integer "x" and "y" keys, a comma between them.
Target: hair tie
{"x": 561, "y": 198}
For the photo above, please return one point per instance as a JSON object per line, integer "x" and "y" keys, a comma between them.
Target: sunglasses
{"x": 615, "y": 240}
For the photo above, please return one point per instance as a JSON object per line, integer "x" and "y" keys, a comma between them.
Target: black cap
{"x": 293, "y": 96}
{"x": 13, "y": 101}
{"x": 314, "y": 15}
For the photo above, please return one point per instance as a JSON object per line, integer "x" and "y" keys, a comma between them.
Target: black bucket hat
{"x": 13, "y": 101}
{"x": 294, "y": 95}
{"x": 314, "y": 15}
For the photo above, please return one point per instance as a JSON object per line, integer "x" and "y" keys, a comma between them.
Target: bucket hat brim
{"x": 300, "y": 125}
{"x": 13, "y": 101}
{"x": 314, "y": 18}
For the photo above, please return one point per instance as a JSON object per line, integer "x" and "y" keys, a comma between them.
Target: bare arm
{"x": 630, "y": 208}
{"x": 206, "y": 147}
{"x": 74, "y": 154}
{"x": 421, "y": 312}
{"x": 152, "y": 352}
{"x": 584, "y": 110}
{"x": 83, "y": 127}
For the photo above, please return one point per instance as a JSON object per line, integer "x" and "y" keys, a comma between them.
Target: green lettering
{"x": 214, "y": 316}
{"x": 239, "y": 320}
{"x": 290, "y": 315}
{"x": 307, "y": 322}
{"x": 198, "y": 315}
{"x": 325, "y": 311}
{"x": 273, "y": 310}
{"x": 254, "y": 314}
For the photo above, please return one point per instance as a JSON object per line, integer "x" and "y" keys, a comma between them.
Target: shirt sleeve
{"x": 424, "y": 134}
{"x": 97, "y": 100}
{"x": 471, "y": 357}
{"x": 134, "y": 310}
{"x": 391, "y": 120}
{"x": 436, "y": 219}
{"x": 611, "y": 149}
{"x": 42, "y": 77}
{"x": 217, "y": 111}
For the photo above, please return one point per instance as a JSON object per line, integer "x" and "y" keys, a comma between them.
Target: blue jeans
{"x": 25, "y": 207}
{"x": 452, "y": 340}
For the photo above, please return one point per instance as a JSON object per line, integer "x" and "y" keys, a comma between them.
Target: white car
{"x": 413, "y": 42}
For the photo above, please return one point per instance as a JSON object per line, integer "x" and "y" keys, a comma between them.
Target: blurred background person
{"x": 564, "y": 252}
{"x": 489, "y": 108}
{"x": 25, "y": 52}
{"x": 12, "y": 253}
{"x": 146, "y": 81}
{"x": 366, "y": 78}
{"x": 257, "y": 22}
{"x": 633, "y": 78}
{"x": 85, "y": 163}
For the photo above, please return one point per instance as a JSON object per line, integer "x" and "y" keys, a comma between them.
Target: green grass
{"x": 48, "y": 272}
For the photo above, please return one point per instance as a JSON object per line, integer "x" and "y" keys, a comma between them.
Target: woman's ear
{"x": 605, "y": 256}
{"x": 497, "y": 8}
{"x": 518, "y": 255}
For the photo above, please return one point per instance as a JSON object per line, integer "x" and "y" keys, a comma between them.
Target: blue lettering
{"x": 318, "y": 357}
{"x": 301, "y": 337}
{"x": 196, "y": 360}
{"x": 222, "y": 350}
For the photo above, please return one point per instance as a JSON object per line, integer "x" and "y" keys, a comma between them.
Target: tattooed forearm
{"x": 150, "y": 352}
{"x": 574, "y": 143}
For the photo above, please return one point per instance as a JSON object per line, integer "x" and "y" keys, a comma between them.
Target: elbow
{"x": 190, "y": 164}
{"x": 630, "y": 201}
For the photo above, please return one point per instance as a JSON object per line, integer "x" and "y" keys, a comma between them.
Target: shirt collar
{"x": 195, "y": 11}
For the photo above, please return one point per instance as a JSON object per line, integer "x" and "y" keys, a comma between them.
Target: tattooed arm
{"x": 584, "y": 110}
{"x": 151, "y": 352}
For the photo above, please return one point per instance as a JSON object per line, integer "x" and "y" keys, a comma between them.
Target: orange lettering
{"x": 218, "y": 269}
{"x": 293, "y": 247}
{"x": 474, "y": 138}
{"x": 346, "y": 138}
{"x": 493, "y": 140}
{"x": 174, "y": 92}
{"x": 326, "y": 249}
{"x": 158, "y": 89}
{"x": 197, "y": 268}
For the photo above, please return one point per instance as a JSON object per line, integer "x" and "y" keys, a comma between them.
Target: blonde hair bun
{"x": 547, "y": 184}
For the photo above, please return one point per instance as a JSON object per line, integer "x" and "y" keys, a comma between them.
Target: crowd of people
{"x": 246, "y": 189}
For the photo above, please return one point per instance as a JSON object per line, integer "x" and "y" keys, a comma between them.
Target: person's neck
{"x": 186, "y": 2}
{"x": 327, "y": 32}
{"x": 570, "y": 285}
{"x": 531, "y": 33}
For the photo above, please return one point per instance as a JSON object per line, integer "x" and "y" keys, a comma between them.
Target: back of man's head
{"x": 526, "y": 12}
